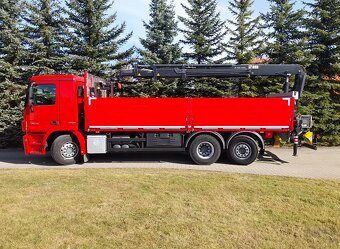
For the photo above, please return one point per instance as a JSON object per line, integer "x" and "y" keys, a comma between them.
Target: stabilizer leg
{"x": 296, "y": 144}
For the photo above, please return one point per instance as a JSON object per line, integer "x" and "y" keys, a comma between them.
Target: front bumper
{"x": 34, "y": 144}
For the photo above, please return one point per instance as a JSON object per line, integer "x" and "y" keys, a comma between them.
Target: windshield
{"x": 43, "y": 94}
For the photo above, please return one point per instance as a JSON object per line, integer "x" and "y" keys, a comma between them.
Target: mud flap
{"x": 86, "y": 158}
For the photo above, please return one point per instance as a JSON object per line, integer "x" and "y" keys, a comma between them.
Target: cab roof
{"x": 57, "y": 77}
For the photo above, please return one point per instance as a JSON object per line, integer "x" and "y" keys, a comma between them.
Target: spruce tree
{"x": 11, "y": 40}
{"x": 44, "y": 27}
{"x": 94, "y": 39}
{"x": 323, "y": 27}
{"x": 285, "y": 39}
{"x": 12, "y": 95}
{"x": 12, "y": 90}
{"x": 204, "y": 31}
{"x": 246, "y": 38}
{"x": 321, "y": 99}
{"x": 159, "y": 46}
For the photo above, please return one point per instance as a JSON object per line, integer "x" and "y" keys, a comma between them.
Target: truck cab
{"x": 52, "y": 107}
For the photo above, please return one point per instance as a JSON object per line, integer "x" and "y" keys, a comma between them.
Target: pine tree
{"x": 159, "y": 46}
{"x": 94, "y": 40}
{"x": 323, "y": 26}
{"x": 246, "y": 39}
{"x": 286, "y": 43}
{"x": 204, "y": 32}
{"x": 44, "y": 28}
{"x": 11, "y": 58}
{"x": 321, "y": 99}
{"x": 11, "y": 40}
{"x": 12, "y": 97}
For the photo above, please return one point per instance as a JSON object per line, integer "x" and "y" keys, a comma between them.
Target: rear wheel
{"x": 243, "y": 150}
{"x": 205, "y": 150}
{"x": 65, "y": 150}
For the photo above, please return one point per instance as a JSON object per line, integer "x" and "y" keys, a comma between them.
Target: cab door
{"x": 44, "y": 107}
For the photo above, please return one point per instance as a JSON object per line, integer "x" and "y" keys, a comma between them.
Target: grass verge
{"x": 114, "y": 208}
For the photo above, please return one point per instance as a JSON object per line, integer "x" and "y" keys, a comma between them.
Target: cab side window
{"x": 44, "y": 94}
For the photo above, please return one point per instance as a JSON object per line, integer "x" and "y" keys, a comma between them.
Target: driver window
{"x": 44, "y": 94}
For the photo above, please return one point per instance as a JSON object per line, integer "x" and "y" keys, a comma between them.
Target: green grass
{"x": 116, "y": 208}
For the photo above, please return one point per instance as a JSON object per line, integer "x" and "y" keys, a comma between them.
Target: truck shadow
{"x": 17, "y": 157}
{"x": 270, "y": 157}
{"x": 142, "y": 157}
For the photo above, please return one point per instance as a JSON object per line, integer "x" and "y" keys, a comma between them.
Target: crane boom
{"x": 185, "y": 71}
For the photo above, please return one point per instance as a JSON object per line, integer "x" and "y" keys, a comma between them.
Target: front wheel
{"x": 243, "y": 150}
{"x": 65, "y": 150}
{"x": 205, "y": 150}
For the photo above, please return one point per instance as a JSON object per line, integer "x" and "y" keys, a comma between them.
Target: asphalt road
{"x": 322, "y": 164}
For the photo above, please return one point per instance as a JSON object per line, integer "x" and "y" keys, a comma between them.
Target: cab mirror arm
{"x": 30, "y": 104}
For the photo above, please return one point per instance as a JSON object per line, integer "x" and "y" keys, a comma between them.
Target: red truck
{"x": 73, "y": 116}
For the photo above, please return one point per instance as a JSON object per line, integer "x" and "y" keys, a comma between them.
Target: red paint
{"x": 231, "y": 114}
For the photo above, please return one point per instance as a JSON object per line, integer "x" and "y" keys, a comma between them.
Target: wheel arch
{"x": 75, "y": 134}
{"x": 256, "y": 136}
{"x": 217, "y": 135}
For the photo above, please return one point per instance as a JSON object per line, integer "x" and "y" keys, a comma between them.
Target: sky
{"x": 134, "y": 12}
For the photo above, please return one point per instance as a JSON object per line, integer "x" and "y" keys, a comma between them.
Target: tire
{"x": 205, "y": 150}
{"x": 65, "y": 150}
{"x": 243, "y": 150}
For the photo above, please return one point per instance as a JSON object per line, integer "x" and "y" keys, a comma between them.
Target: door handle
{"x": 55, "y": 122}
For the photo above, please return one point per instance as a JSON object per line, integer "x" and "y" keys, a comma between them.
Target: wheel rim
{"x": 69, "y": 150}
{"x": 242, "y": 151}
{"x": 205, "y": 150}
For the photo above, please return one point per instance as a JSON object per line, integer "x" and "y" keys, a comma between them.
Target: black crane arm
{"x": 220, "y": 71}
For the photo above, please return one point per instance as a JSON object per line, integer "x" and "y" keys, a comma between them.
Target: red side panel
{"x": 135, "y": 113}
{"x": 243, "y": 113}
{"x": 229, "y": 114}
